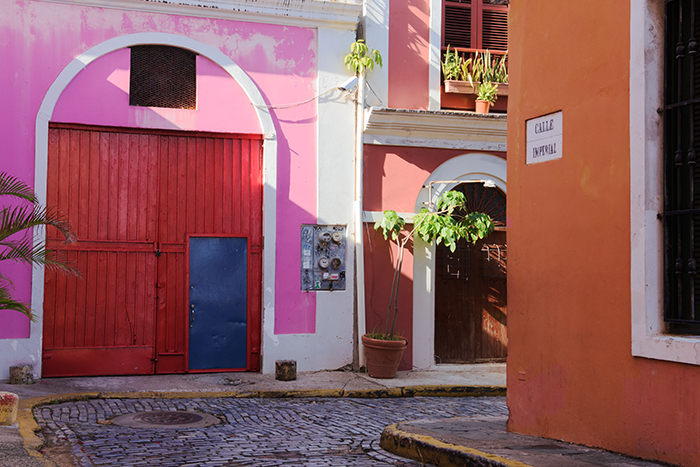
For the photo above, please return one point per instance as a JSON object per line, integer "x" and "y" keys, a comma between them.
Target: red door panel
{"x": 133, "y": 199}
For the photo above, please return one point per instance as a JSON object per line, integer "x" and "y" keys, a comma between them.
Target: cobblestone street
{"x": 256, "y": 432}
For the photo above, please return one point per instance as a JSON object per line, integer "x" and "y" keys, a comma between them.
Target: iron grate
{"x": 163, "y": 76}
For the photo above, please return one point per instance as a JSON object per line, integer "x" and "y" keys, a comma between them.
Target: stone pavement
{"x": 330, "y": 431}
{"x": 298, "y": 421}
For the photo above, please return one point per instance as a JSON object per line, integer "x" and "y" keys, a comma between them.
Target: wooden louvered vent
{"x": 458, "y": 24}
{"x": 476, "y": 24}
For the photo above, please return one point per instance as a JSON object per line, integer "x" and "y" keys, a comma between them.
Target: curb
{"x": 28, "y": 427}
{"x": 432, "y": 451}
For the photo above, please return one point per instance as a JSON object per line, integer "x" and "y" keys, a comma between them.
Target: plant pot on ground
{"x": 447, "y": 221}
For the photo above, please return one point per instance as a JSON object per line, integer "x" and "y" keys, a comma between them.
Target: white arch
{"x": 472, "y": 166}
{"x": 249, "y": 87}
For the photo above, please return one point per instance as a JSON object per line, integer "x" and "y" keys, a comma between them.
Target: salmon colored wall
{"x": 393, "y": 178}
{"x": 409, "y": 41}
{"x": 571, "y": 374}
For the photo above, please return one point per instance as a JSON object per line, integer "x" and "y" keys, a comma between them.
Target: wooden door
{"x": 470, "y": 290}
{"x": 133, "y": 198}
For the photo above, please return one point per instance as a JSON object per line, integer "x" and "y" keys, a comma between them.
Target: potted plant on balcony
{"x": 448, "y": 223}
{"x": 457, "y": 73}
{"x": 486, "y": 95}
{"x": 463, "y": 76}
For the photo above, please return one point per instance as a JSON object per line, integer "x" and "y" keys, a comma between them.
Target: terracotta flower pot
{"x": 482, "y": 107}
{"x": 383, "y": 357}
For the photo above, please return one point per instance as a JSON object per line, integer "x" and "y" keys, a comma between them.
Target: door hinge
{"x": 154, "y": 359}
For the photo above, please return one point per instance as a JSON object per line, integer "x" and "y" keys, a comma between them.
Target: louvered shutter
{"x": 475, "y": 24}
{"x": 494, "y": 28}
{"x": 458, "y": 30}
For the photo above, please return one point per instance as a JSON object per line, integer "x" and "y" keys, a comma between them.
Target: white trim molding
{"x": 646, "y": 191}
{"x": 436, "y": 129}
{"x": 269, "y": 154}
{"x": 344, "y": 14}
{"x": 467, "y": 167}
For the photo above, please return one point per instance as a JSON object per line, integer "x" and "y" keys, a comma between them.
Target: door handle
{"x": 191, "y": 315}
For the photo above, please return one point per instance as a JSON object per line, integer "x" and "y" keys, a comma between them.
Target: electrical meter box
{"x": 323, "y": 250}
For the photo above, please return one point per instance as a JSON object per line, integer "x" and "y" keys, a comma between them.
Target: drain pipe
{"x": 359, "y": 224}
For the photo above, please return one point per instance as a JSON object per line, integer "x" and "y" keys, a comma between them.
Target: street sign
{"x": 544, "y": 138}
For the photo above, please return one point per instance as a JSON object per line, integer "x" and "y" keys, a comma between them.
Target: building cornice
{"x": 436, "y": 129}
{"x": 340, "y": 14}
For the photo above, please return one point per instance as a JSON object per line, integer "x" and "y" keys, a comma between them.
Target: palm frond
{"x": 8, "y": 303}
{"x": 13, "y": 186}
{"x": 20, "y": 218}
{"x": 30, "y": 253}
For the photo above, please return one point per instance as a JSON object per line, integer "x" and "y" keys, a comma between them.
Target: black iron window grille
{"x": 163, "y": 76}
{"x": 681, "y": 216}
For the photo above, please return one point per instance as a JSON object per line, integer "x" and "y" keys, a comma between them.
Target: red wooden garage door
{"x": 134, "y": 197}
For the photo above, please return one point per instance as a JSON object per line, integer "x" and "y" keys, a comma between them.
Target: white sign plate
{"x": 544, "y": 138}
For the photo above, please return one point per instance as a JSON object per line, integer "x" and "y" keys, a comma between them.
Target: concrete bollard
{"x": 285, "y": 370}
{"x": 8, "y": 408}
{"x": 22, "y": 374}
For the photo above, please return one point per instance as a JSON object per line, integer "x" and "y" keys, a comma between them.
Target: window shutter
{"x": 457, "y": 24}
{"x": 494, "y": 29}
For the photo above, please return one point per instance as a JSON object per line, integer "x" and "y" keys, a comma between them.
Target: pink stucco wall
{"x": 40, "y": 39}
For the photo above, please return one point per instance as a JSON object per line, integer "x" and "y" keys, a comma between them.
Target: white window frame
{"x": 649, "y": 338}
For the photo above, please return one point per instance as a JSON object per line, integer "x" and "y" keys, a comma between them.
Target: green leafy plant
{"x": 362, "y": 57}
{"x": 448, "y": 223}
{"x": 479, "y": 68}
{"x": 452, "y": 65}
{"x": 487, "y": 91}
{"x": 17, "y": 243}
{"x": 494, "y": 70}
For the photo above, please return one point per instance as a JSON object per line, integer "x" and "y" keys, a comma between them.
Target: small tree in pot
{"x": 448, "y": 223}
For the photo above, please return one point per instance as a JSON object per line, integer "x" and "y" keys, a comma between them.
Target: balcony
{"x": 459, "y": 94}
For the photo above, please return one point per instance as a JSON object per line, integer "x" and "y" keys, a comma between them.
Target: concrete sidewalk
{"x": 483, "y": 441}
{"x": 442, "y": 442}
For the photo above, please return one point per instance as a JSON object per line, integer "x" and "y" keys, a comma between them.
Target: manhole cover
{"x": 166, "y": 419}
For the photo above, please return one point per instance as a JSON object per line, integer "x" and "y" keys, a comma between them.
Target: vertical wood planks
{"x": 128, "y": 194}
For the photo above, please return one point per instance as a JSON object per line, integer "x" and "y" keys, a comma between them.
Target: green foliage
{"x": 379, "y": 335}
{"x": 487, "y": 91}
{"x": 362, "y": 57}
{"x": 448, "y": 223}
{"x": 391, "y": 223}
{"x": 479, "y": 68}
{"x": 452, "y": 65}
{"x": 17, "y": 243}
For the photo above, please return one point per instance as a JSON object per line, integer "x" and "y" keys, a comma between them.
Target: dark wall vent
{"x": 163, "y": 76}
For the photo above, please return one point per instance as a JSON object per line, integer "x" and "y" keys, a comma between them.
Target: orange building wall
{"x": 571, "y": 374}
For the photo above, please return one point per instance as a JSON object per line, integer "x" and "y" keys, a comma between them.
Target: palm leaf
{"x": 8, "y": 303}
{"x": 13, "y": 186}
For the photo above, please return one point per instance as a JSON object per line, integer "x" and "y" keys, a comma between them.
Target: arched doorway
{"x": 470, "y": 288}
{"x": 139, "y": 340}
{"x": 470, "y": 167}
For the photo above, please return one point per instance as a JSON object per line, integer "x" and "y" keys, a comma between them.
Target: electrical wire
{"x": 297, "y": 104}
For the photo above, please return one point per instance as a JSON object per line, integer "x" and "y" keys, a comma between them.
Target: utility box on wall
{"x": 323, "y": 250}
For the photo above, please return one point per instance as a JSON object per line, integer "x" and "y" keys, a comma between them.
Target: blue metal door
{"x": 218, "y": 303}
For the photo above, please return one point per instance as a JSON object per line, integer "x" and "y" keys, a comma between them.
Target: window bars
{"x": 681, "y": 216}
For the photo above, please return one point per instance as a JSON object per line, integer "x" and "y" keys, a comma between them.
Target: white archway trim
{"x": 473, "y": 166}
{"x": 269, "y": 152}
